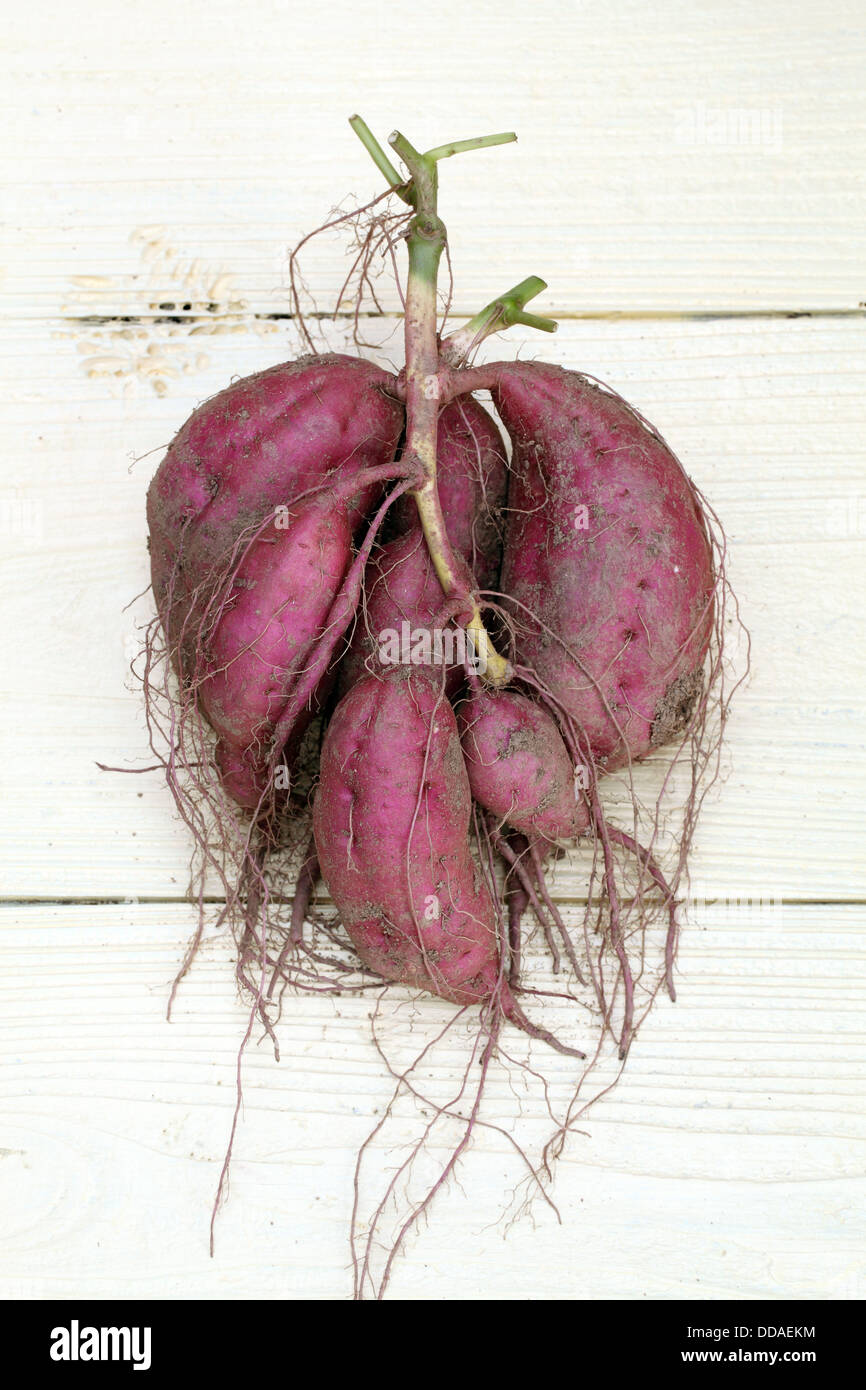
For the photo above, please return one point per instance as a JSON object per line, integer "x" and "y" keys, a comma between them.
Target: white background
{"x": 689, "y": 179}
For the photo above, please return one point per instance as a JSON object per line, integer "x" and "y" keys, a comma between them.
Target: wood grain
{"x": 672, "y": 157}
{"x": 689, "y": 182}
{"x": 728, "y": 1162}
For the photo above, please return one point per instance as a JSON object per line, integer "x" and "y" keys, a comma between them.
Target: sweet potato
{"x": 471, "y": 480}
{"x": 249, "y": 543}
{"x": 518, "y": 765}
{"x": 262, "y": 443}
{"x": 605, "y": 618}
{"x": 262, "y": 632}
{"x": 401, "y": 587}
{"x": 391, "y": 821}
{"x": 606, "y": 561}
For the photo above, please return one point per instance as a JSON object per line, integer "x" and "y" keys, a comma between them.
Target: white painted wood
{"x": 674, "y": 161}
{"x": 671, "y": 156}
{"x": 726, "y": 1163}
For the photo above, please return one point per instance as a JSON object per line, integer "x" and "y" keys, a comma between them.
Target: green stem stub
{"x": 480, "y": 142}
{"x": 500, "y": 313}
{"x": 426, "y": 240}
{"x": 379, "y": 157}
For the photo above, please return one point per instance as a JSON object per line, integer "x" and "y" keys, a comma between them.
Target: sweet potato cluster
{"x": 285, "y": 545}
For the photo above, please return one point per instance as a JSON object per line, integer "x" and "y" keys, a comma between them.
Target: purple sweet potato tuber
{"x": 391, "y": 823}
{"x": 251, "y": 516}
{"x": 607, "y": 562}
{"x": 391, "y": 820}
{"x": 262, "y": 632}
{"x": 401, "y": 587}
{"x": 260, "y": 444}
{"x": 519, "y": 767}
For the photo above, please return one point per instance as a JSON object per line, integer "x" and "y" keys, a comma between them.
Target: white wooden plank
{"x": 768, "y": 418}
{"x": 726, "y": 1163}
{"x": 673, "y": 160}
{"x": 670, "y": 157}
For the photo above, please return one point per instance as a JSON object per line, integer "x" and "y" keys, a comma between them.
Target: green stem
{"x": 543, "y": 325}
{"x": 425, "y": 178}
{"x": 500, "y": 313}
{"x": 379, "y": 157}
{"x": 479, "y": 142}
{"x": 425, "y": 377}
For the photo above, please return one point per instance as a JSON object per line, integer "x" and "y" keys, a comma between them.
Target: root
{"x": 363, "y": 1248}
{"x": 308, "y": 877}
{"x": 616, "y": 923}
{"x": 373, "y": 1250}
{"x": 256, "y": 908}
{"x": 643, "y": 856}
{"x": 376, "y": 229}
{"x": 531, "y": 889}
{"x": 517, "y": 900}
{"x": 515, "y": 1015}
{"x": 538, "y": 866}
{"x": 529, "y": 894}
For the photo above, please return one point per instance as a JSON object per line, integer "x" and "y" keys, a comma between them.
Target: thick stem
{"x": 426, "y": 243}
{"x": 461, "y": 381}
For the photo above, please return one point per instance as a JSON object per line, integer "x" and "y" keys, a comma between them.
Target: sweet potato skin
{"x": 518, "y": 765}
{"x": 606, "y": 546}
{"x": 391, "y": 822}
{"x": 249, "y": 543}
{"x": 400, "y": 586}
{"x": 277, "y": 606}
{"x": 258, "y": 445}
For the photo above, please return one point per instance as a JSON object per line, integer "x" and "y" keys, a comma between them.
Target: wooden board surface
{"x": 689, "y": 181}
{"x": 671, "y": 157}
{"x": 727, "y": 1163}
